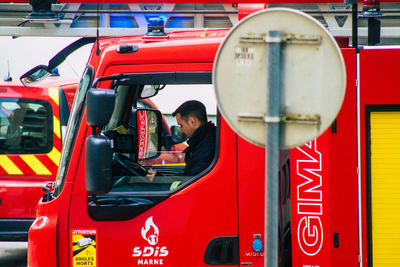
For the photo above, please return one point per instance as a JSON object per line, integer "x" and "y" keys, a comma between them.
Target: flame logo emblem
{"x": 150, "y": 236}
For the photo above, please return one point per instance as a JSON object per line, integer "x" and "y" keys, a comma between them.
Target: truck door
{"x": 384, "y": 187}
{"x": 192, "y": 222}
{"x": 380, "y": 100}
{"x": 30, "y": 145}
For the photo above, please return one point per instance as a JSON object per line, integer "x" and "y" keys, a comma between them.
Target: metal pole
{"x": 272, "y": 119}
{"x": 355, "y": 25}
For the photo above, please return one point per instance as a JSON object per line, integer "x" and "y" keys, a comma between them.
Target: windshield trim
{"x": 72, "y": 129}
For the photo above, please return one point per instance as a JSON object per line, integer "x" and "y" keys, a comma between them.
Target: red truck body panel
{"x": 379, "y": 85}
{"x": 324, "y": 188}
{"x": 174, "y": 218}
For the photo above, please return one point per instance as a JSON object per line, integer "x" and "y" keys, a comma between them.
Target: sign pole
{"x": 272, "y": 119}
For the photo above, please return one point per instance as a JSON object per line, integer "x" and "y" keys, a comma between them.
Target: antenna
{"x": 97, "y": 29}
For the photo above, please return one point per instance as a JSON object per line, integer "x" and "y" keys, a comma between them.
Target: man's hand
{"x": 150, "y": 175}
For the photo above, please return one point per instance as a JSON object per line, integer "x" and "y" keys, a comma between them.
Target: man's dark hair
{"x": 192, "y": 108}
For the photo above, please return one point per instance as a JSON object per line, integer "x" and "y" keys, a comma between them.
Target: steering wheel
{"x": 121, "y": 181}
{"x": 135, "y": 168}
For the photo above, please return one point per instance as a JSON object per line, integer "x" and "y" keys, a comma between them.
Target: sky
{"x": 18, "y": 55}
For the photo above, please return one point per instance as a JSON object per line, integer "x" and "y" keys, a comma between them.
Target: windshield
{"x": 25, "y": 126}
{"x": 73, "y": 126}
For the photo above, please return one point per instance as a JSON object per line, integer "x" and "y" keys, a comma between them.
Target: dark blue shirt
{"x": 200, "y": 152}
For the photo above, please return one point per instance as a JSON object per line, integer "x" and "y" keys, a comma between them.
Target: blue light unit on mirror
{"x": 257, "y": 245}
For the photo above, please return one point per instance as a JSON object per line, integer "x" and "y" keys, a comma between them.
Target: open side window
{"x": 140, "y": 139}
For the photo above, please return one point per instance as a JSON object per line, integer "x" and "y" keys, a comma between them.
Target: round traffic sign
{"x": 313, "y": 77}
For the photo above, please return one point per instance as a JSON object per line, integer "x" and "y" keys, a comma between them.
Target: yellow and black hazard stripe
{"x": 37, "y": 164}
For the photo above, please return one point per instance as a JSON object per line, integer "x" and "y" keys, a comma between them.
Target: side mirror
{"x": 99, "y": 106}
{"x": 34, "y": 75}
{"x": 40, "y": 72}
{"x": 149, "y": 127}
{"x": 176, "y": 136}
{"x": 98, "y": 164}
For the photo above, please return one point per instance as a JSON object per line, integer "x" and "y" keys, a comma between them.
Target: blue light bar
{"x": 155, "y": 26}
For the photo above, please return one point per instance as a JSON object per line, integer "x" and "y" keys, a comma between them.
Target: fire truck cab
{"x": 32, "y": 127}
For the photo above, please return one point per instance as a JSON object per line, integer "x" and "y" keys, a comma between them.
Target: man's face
{"x": 187, "y": 126}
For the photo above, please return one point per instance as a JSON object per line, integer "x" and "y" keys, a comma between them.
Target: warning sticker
{"x": 244, "y": 55}
{"x": 83, "y": 248}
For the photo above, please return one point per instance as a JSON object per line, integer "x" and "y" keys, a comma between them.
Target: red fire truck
{"x": 337, "y": 194}
{"x": 32, "y": 128}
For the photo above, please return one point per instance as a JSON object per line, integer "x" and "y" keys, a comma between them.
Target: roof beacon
{"x": 155, "y": 27}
